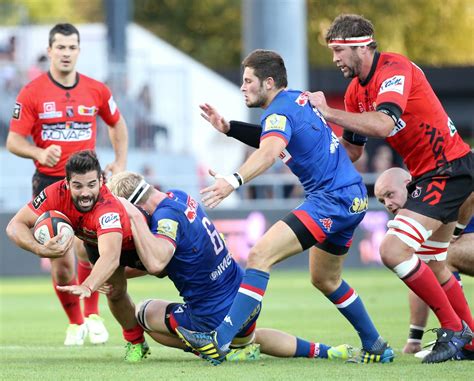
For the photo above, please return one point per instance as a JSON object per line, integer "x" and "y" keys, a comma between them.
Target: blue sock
{"x": 307, "y": 349}
{"x": 250, "y": 295}
{"x": 350, "y": 305}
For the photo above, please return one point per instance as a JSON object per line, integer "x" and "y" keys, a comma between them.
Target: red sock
{"x": 423, "y": 283}
{"x": 134, "y": 335}
{"x": 458, "y": 300}
{"x": 71, "y": 304}
{"x": 91, "y": 304}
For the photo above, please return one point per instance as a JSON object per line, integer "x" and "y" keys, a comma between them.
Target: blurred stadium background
{"x": 163, "y": 58}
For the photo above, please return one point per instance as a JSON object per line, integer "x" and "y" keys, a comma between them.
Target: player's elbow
{"x": 10, "y": 230}
{"x": 10, "y": 144}
{"x": 155, "y": 267}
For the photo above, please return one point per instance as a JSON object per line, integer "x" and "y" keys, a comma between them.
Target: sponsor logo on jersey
{"x": 302, "y": 99}
{"x": 359, "y": 205}
{"x": 110, "y": 221}
{"x": 416, "y": 193}
{"x": 285, "y": 156}
{"x": 38, "y": 200}
{"x": 168, "y": 228}
{"x": 275, "y": 122}
{"x": 395, "y": 84}
{"x": 70, "y": 111}
{"x": 87, "y": 111}
{"x": 400, "y": 125}
{"x": 66, "y": 132}
{"x": 112, "y": 105}
{"x": 221, "y": 267}
{"x": 49, "y": 111}
{"x": 327, "y": 223}
{"x": 334, "y": 143}
{"x": 452, "y": 127}
{"x": 16, "y": 111}
{"x": 190, "y": 211}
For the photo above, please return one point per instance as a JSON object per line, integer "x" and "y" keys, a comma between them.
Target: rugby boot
{"x": 448, "y": 344}
{"x": 205, "y": 343}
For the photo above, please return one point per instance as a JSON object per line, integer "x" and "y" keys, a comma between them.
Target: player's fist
{"x": 318, "y": 100}
{"x": 50, "y": 155}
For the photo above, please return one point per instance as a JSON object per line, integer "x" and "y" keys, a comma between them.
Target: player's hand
{"x": 212, "y": 116}
{"x": 50, "y": 156}
{"x": 214, "y": 194}
{"x": 113, "y": 168}
{"x": 318, "y": 100}
{"x": 78, "y": 289}
{"x": 105, "y": 289}
{"x": 411, "y": 348}
{"x": 57, "y": 246}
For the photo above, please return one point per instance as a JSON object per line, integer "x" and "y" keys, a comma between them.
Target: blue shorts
{"x": 328, "y": 220}
{"x": 470, "y": 227}
{"x": 178, "y": 314}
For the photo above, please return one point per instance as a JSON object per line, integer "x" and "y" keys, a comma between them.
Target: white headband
{"x": 139, "y": 192}
{"x": 351, "y": 41}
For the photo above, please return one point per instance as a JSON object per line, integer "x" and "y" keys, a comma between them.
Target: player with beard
{"x": 59, "y": 111}
{"x": 389, "y": 97}
{"x": 101, "y": 222}
{"x": 335, "y": 203}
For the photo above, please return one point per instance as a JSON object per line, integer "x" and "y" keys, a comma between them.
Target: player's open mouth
{"x": 85, "y": 201}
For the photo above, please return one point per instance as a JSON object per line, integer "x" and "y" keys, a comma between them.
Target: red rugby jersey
{"x": 66, "y": 116}
{"x": 108, "y": 214}
{"x": 424, "y": 136}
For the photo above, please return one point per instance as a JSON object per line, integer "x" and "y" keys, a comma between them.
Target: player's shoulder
{"x": 38, "y": 83}
{"x": 393, "y": 62}
{"x": 89, "y": 81}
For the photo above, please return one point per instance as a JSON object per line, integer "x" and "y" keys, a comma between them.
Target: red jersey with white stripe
{"x": 66, "y": 116}
{"x": 108, "y": 214}
{"x": 424, "y": 135}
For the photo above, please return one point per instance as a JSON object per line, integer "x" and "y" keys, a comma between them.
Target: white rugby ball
{"x": 50, "y": 224}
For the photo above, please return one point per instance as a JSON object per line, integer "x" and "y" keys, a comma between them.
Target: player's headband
{"x": 139, "y": 192}
{"x": 351, "y": 41}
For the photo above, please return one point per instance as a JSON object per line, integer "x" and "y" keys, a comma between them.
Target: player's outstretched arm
{"x": 210, "y": 114}
{"x": 19, "y": 231}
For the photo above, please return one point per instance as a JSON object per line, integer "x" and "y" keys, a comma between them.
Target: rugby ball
{"x": 50, "y": 224}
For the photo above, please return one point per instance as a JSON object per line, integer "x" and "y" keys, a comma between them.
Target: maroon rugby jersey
{"x": 108, "y": 214}
{"x": 424, "y": 136}
{"x": 66, "y": 116}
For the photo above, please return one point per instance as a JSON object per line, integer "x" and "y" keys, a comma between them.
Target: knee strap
{"x": 409, "y": 231}
{"x": 140, "y": 314}
{"x": 433, "y": 251}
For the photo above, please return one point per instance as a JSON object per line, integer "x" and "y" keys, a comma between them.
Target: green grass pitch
{"x": 32, "y": 327}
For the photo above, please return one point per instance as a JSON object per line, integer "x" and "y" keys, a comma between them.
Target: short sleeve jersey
{"x": 108, "y": 214}
{"x": 313, "y": 152}
{"x": 65, "y": 116}
{"x": 202, "y": 269}
{"x": 424, "y": 136}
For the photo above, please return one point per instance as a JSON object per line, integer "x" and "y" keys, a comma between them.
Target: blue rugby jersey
{"x": 202, "y": 269}
{"x": 313, "y": 152}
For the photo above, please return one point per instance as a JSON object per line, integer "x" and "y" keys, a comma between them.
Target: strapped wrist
{"x": 235, "y": 180}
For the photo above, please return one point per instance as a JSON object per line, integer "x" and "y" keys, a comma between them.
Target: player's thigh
{"x": 118, "y": 283}
{"x": 325, "y": 269}
{"x": 277, "y": 244}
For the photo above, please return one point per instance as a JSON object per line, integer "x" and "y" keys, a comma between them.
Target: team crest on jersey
{"x": 396, "y": 84}
{"x": 168, "y": 228}
{"x": 327, "y": 223}
{"x": 275, "y": 122}
{"x": 302, "y": 99}
{"x": 110, "y": 221}
{"x": 38, "y": 200}
{"x": 87, "y": 111}
{"x": 359, "y": 205}
{"x": 70, "y": 111}
{"x": 16, "y": 111}
{"x": 191, "y": 210}
{"x": 416, "y": 193}
{"x": 49, "y": 111}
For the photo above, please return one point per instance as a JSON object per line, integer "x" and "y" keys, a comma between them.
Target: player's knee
{"x": 117, "y": 293}
{"x": 392, "y": 253}
{"x": 259, "y": 259}
{"x": 62, "y": 275}
{"x": 326, "y": 284}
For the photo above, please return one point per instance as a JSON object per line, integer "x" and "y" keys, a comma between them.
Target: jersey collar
{"x": 62, "y": 86}
{"x": 372, "y": 69}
